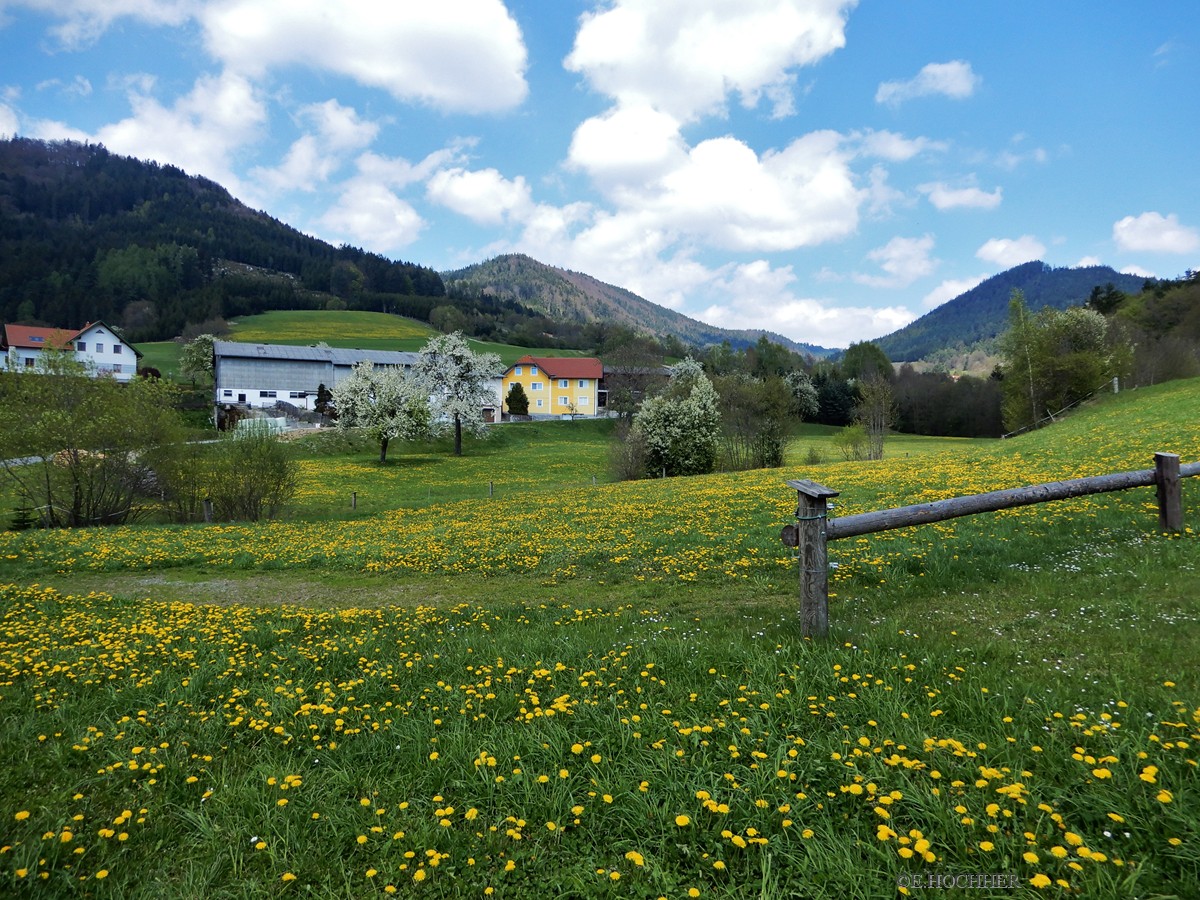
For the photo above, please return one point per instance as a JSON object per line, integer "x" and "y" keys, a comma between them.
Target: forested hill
{"x": 982, "y": 312}
{"x": 87, "y": 235}
{"x": 568, "y": 296}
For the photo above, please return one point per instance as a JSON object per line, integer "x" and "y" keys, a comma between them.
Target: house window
{"x": 583, "y": 401}
{"x": 535, "y": 386}
{"x": 81, "y": 346}
{"x": 226, "y": 393}
{"x": 297, "y": 395}
{"x": 266, "y": 393}
{"x": 562, "y": 382}
{"x": 583, "y": 382}
{"x": 99, "y": 348}
{"x": 36, "y": 339}
{"x": 117, "y": 349}
{"x": 564, "y": 401}
{"x": 29, "y": 362}
{"x": 533, "y": 370}
{"x": 539, "y": 403}
{"x": 517, "y": 370}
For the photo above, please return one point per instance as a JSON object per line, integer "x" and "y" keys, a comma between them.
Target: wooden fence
{"x": 813, "y": 529}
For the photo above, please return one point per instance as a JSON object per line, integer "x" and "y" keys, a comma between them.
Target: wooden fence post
{"x": 354, "y": 499}
{"x": 811, "y": 543}
{"x": 208, "y": 511}
{"x": 1170, "y": 494}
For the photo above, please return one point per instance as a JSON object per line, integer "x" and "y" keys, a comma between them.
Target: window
{"x": 562, "y": 382}
{"x": 117, "y": 349}
{"x": 116, "y": 368}
{"x": 535, "y": 386}
{"x": 266, "y": 393}
{"x": 81, "y": 346}
{"x": 564, "y": 401}
{"x": 539, "y": 403}
{"x": 297, "y": 395}
{"x": 583, "y": 382}
{"x": 29, "y": 365}
{"x": 583, "y": 401}
{"x": 36, "y": 339}
{"x": 226, "y": 393}
{"x": 533, "y": 370}
{"x": 517, "y": 370}
{"x": 99, "y": 348}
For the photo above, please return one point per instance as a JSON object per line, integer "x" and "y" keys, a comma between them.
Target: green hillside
{"x": 341, "y": 328}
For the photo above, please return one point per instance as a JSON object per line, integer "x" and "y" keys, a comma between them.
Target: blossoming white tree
{"x": 456, "y": 380}
{"x": 680, "y": 428}
{"x": 386, "y": 402}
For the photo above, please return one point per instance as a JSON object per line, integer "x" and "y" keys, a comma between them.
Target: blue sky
{"x": 826, "y": 169}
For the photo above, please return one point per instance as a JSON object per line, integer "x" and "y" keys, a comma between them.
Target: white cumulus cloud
{"x": 82, "y": 21}
{"x": 200, "y": 131}
{"x": 459, "y": 55}
{"x": 1155, "y": 233}
{"x": 903, "y": 260}
{"x": 374, "y": 217}
{"x": 944, "y": 197}
{"x": 755, "y": 295}
{"x": 1009, "y": 252}
{"x": 336, "y": 131}
{"x": 484, "y": 196}
{"x": 953, "y": 79}
{"x": 685, "y": 57}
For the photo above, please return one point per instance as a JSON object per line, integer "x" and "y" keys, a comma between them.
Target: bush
{"x": 248, "y": 475}
{"x": 253, "y": 475}
{"x": 627, "y": 453}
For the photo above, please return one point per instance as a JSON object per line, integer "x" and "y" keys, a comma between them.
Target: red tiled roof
{"x": 26, "y": 337}
{"x": 565, "y": 366}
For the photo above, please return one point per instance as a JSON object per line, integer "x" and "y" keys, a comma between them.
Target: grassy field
{"x": 346, "y": 328}
{"x": 599, "y": 691}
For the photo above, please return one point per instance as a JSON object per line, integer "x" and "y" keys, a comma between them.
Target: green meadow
{"x": 497, "y": 678}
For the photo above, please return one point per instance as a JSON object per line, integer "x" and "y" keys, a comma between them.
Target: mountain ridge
{"x": 579, "y": 297}
{"x": 981, "y": 313}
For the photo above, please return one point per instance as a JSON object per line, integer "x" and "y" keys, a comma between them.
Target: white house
{"x": 96, "y": 345}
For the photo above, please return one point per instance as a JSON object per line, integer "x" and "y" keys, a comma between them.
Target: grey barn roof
{"x": 337, "y": 356}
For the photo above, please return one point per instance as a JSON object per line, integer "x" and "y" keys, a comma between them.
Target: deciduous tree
{"x": 681, "y": 428}
{"x": 385, "y": 402}
{"x": 458, "y": 383}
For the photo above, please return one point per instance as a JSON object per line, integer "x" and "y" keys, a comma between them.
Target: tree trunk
{"x": 383, "y": 445}
{"x": 457, "y": 436}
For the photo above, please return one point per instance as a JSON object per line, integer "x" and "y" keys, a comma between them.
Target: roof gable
{"x": 29, "y": 337}
{"x": 563, "y": 366}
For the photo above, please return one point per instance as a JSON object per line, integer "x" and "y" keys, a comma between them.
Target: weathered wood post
{"x": 354, "y": 499}
{"x": 208, "y": 511}
{"x": 1170, "y": 494}
{"x": 810, "y": 539}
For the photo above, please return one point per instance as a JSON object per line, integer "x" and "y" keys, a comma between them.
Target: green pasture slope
{"x": 346, "y": 328}
{"x": 600, "y": 691}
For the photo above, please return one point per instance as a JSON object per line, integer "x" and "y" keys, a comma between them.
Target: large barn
{"x": 259, "y": 375}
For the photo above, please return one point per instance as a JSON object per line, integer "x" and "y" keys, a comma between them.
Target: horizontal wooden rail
{"x": 955, "y": 507}
{"x": 813, "y": 528}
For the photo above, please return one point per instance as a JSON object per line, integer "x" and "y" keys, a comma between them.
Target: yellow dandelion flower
{"x": 682, "y": 821}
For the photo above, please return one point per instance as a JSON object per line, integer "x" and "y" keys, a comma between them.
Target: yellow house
{"x": 557, "y": 385}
